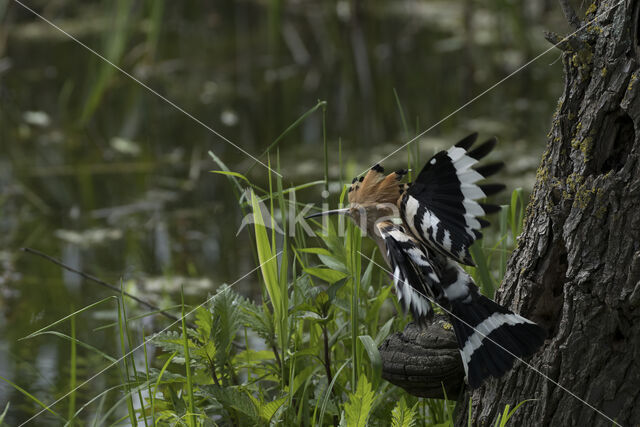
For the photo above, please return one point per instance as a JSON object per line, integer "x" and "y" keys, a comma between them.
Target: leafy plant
{"x": 402, "y": 415}
{"x": 305, "y": 354}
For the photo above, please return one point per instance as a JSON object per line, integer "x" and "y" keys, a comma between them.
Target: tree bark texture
{"x": 576, "y": 269}
{"x": 425, "y": 361}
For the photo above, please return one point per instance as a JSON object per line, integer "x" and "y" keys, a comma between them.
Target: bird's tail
{"x": 491, "y": 337}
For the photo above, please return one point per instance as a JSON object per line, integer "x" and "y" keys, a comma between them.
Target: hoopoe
{"x": 424, "y": 230}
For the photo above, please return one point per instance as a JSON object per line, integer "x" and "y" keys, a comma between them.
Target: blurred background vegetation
{"x": 108, "y": 177}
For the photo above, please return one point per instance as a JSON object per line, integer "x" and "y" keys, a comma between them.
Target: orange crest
{"x": 376, "y": 188}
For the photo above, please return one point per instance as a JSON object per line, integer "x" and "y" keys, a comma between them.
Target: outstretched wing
{"x": 414, "y": 274}
{"x": 441, "y": 208}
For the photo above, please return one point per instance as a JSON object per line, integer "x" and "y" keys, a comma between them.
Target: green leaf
{"x": 487, "y": 287}
{"x": 4, "y": 413}
{"x": 236, "y": 174}
{"x": 32, "y": 398}
{"x": 204, "y": 323}
{"x": 384, "y": 331}
{"x": 373, "y": 312}
{"x": 402, "y": 415}
{"x": 374, "y": 358}
{"x": 326, "y": 274}
{"x": 516, "y": 212}
{"x": 77, "y": 341}
{"x": 252, "y": 356}
{"x": 317, "y": 251}
{"x": 234, "y": 398}
{"x": 225, "y": 309}
{"x": 333, "y": 262}
{"x": 327, "y": 258}
{"x": 268, "y": 410}
{"x": 366, "y": 277}
{"x": 334, "y": 288}
{"x": 259, "y": 320}
{"x": 187, "y": 364}
{"x": 268, "y": 262}
{"x": 309, "y": 315}
{"x": 293, "y": 125}
{"x": 327, "y": 393}
{"x": 224, "y": 168}
{"x": 155, "y": 388}
{"x": 360, "y": 404}
{"x": 501, "y": 421}
{"x": 302, "y": 376}
{"x": 75, "y": 313}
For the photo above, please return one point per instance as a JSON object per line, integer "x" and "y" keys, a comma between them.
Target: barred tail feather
{"x": 491, "y": 337}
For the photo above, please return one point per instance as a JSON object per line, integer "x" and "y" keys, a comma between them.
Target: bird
{"x": 424, "y": 230}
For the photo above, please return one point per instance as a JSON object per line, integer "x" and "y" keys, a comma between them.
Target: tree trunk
{"x": 576, "y": 270}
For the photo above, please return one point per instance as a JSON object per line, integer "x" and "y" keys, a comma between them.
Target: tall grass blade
{"x": 187, "y": 362}
{"x": 325, "y": 399}
{"x": 78, "y": 342}
{"x": 354, "y": 265}
{"x": 326, "y": 148}
{"x": 102, "y": 396}
{"x": 72, "y": 373}
{"x": 155, "y": 19}
{"x": 516, "y": 213}
{"x": 114, "y": 50}
{"x": 4, "y": 413}
{"x": 484, "y": 279}
{"x": 374, "y": 359}
{"x": 269, "y": 267}
{"x": 503, "y": 220}
{"x": 501, "y": 421}
{"x": 33, "y": 398}
{"x": 133, "y": 364}
{"x": 125, "y": 359}
{"x": 157, "y": 384}
{"x": 405, "y": 128}
{"x": 233, "y": 176}
{"x": 292, "y": 126}
{"x": 146, "y": 370}
{"x": 82, "y": 310}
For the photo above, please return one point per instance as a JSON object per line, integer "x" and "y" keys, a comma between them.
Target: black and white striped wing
{"x": 491, "y": 337}
{"x": 414, "y": 275}
{"x": 440, "y": 207}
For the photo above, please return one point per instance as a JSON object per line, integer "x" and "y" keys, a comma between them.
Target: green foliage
{"x": 4, "y": 413}
{"x": 402, "y": 415}
{"x": 501, "y": 421}
{"x": 306, "y": 354}
{"x": 360, "y": 404}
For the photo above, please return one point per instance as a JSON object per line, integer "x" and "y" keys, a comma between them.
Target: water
{"x": 97, "y": 171}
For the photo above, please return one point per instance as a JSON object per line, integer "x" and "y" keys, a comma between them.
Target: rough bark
{"x": 424, "y": 361}
{"x": 576, "y": 269}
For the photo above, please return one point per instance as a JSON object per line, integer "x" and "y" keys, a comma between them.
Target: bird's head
{"x": 372, "y": 198}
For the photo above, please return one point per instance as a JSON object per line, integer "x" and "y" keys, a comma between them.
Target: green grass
{"x": 305, "y": 354}
{"x": 73, "y": 362}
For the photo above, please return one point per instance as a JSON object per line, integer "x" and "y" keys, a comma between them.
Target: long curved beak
{"x": 343, "y": 211}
